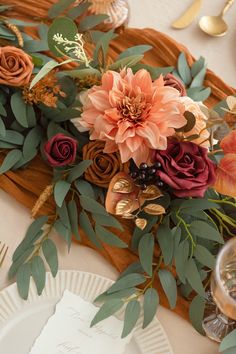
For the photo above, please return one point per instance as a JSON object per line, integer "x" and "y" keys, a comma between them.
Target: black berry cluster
{"x": 146, "y": 175}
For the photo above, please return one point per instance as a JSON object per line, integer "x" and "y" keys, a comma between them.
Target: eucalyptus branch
{"x": 186, "y": 226}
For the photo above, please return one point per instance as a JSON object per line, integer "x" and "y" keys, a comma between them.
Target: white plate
{"x": 22, "y": 321}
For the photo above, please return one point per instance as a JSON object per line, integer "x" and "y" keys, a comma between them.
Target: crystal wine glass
{"x": 220, "y": 314}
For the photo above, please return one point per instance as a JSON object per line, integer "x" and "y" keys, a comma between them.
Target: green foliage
{"x": 38, "y": 273}
{"x": 64, "y": 26}
{"x": 165, "y": 239}
{"x": 139, "y": 49}
{"x": 169, "y": 286}
{"x": 145, "y": 249}
{"x": 193, "y": 77}
{"x": 50, "y": 254}
{"x": 89, "y": 22}
{"x": 151, "y": 302}
{"x": 193, "y": 277}
{"x": 196, "y": 313}
{"x": 23, "y": 280}
{"x": 126, "y": 62}
{"x": 108, "y": 309}
{"x": 229, "y": 342}
{"x": 61, "y": 189}
{"x": 59, "y": 7}
{"x": 10, "y": 160}
{"x": 132, "y": 313}
{"x": 128, "y": 281}
{"x": 109, "y": 237}
{"x": 78, "y": 170}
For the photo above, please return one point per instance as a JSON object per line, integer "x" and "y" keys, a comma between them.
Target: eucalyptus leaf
{"x": 61, "y": 190}
{"x": 145, "y": 250}
{"x": 128, "y": 281}
{"x": 132, "y": 268}
{"x": 65, "y": 27}
{"x": 194, "y": 278}
{"x": 34, "y": 228}
{"x": 12, "y": 137}
{"x": 38, "y": 273}
{"x": 199, "y": 95}
{"x": 122, "y": 294}
{"x": 10, "y": 160}
{"x": 126, "y": 62}
{"x": 196, "y": 313}
{"x": 108, "y": 309}
{"x": 63, "y": 214}
{"x": 59, "y": 7}
{"x": 198, "y": 204}
{"x": 2, "y": 128}
{"x": 85, "y": 188}
{"x": 197, "y": 66}
{"x": 136, "y": 50}
{"x": 32, "y": 141}
{"x": 87, "y": 227}
{"x": 109, "y": 237}
{"x": 3, "y": 111}
{"x": 92, "y": 205}
{"x": 107, "y": 220}
{"x": 91, "y": 21}
{"x": 150, "y": 305}
{"x": 184, "y": 70}
{"x": 23, "y": 280}
{"x": 199, "y": 78}
{"x": 77, "y": 11}
{"x": 50, "y": 254}
{"x": 169, "y": 286}
{"x": 204, "y": 256}
{"x": 74, "y": 220}
{"x": 132, "y": 313}
{"x": 166, "y": 241}
{"x": 49, "y": 66}
{"x": 63, "y": 231}
{"x": 78, "y": 170}
{"x": 18, "y": 107}
{"x": 22, "y": 257}
{"x": 229, "y": 341}
{"x": 204, "y": 230}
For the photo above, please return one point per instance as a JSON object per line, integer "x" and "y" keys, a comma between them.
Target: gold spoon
{"x": 215, "y": 25}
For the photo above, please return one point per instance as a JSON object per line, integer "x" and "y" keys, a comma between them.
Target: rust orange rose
{"x": 15, "y": 66}
{"x": 226, "y": 171}
{"x": 104, "y": 166}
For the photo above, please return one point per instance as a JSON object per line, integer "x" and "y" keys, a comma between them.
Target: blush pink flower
{"x": 132, "y": 114}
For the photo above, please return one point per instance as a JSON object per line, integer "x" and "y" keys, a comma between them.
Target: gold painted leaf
{"x": 123, "y": 185}
{"x": 151, "y": 192}
{"x": 154, "y": 209}
{"x": 124, "y": 206}
{"x": 141, "y": 223}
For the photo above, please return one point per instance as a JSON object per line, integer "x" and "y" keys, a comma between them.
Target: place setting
{"x": 114, "y": 140}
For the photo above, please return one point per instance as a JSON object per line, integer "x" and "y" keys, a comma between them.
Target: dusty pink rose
{"x": 132, "y": 114}
{"x": 201, "y": 121}
{"x": 186, "y": 168}
{"x": 171, "y": 80}
{"x": 16, "y": 66}
{"x": 60, "y": 150}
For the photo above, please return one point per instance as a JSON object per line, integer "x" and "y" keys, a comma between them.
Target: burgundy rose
{"x": 186, "y": 168}
{"x": 171, "y": 80}
{"x": 60, "y": 150}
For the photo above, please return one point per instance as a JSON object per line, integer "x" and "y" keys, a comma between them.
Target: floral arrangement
{"x": 125, "y": 141}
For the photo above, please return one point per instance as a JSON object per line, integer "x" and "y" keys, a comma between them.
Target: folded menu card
{"x": 68, "y": 330}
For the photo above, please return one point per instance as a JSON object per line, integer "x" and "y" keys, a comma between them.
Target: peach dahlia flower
{"x": 132, "y": 114}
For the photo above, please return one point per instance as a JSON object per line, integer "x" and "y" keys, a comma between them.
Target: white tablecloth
{"x": 220, "y": 55}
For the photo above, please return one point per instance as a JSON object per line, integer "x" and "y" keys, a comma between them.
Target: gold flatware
{"x": 188, "y": 16}
{"x": 215, "y": 25}
{"x": 3, "y": 252}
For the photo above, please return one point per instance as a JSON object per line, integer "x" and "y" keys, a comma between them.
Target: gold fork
{"x": 3, "y": 252}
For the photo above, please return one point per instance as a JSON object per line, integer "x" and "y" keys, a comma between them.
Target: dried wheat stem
{"x": 47, "y": 192}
